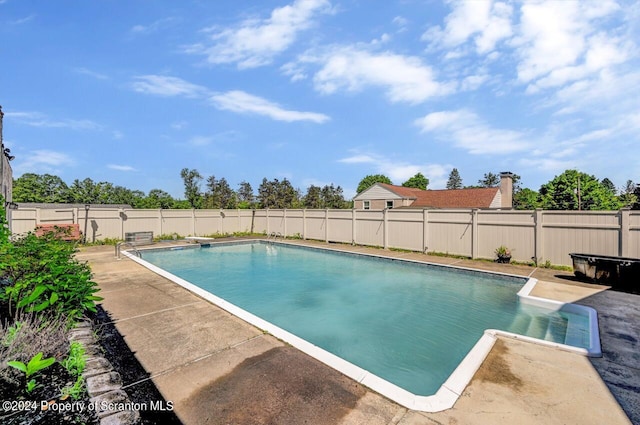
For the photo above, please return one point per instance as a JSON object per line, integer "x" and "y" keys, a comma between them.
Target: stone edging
{"x": 104, "y": 385}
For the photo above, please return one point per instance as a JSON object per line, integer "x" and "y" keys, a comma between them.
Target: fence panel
{"x": 592, "y": 232}
{"x": 316, "y": 223}
{"x": 633, "y": 249}
{"x": 141, "y": 221}
{"x": 370, "y": 228}
{"x": 545, "y": 235}
{"x": 450, "y": 232}
{"x": 513, "y": 229}
{"x": 295, "y": 223}
{"x": 102, "y": 224}
{"x": 406, "y": 229}
{"x": 340, "y": 225}
{"x": 23, "y": 220}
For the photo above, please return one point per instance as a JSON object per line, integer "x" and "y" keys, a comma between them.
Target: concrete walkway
{"x": 218, "y": 369}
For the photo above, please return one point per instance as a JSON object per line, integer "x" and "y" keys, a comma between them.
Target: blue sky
{"x": 320, "y": 91}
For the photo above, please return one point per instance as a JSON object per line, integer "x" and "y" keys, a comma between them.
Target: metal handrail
{"x": 135, "y": 250}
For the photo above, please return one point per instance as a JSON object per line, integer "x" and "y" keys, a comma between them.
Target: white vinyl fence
{"x": 540, "y": 235}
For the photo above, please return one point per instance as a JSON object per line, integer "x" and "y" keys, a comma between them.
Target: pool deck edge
{"x": 452, "y": 388}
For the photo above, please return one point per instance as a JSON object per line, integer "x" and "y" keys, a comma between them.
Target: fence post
{"x": 353, "y": 226}
{"x": 284, "y": 222}
{"x": 537, "y": 236}
{"x": 160, "y": 219}
{"x": 193, "y": 222}
{"x": 474, "y": 233}
{"x": 326, "y": 225}
{"x": 425, "y": 230}
{"x": 625, "y": 217}
{"x": 266, "y": 213}
{"x": 385, "y": 229}
{"x": 304, "y": 224}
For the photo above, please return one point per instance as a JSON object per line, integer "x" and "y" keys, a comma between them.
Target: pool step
{"x": 538, "y": 327}
{"x": 577, "y": 332}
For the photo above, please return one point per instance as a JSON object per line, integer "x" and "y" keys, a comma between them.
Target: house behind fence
{"x": 538, "y": 235}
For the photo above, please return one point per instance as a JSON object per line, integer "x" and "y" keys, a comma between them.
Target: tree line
{"x": 571, "y": 190}
{"x": 217, "y": 193}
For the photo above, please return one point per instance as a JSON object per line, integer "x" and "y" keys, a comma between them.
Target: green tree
{"x": 574, "y": 190}
{"x": 32, "y": 187}
{"x": 313, "y": 198}
{"x": 608, "y": 184}
{"x": 278, "y": 194}
{"x": 370, "y": 180}
{"x": 226, "y": 196}
{"x": 158, "y": 198}
{"x": 83, "y": 192}
{"x": 526, "y": 199}
{"x": 246, "y": 198}
{"x": 332, "y": 197}
{"x": 418, "y": 181}
{"x": 455, "y": 181}
{"x": 192, "y": 179}
{"x": 489, "y": 180}
{"x": 629, "y": 195}
{"x": 211, "y": 198}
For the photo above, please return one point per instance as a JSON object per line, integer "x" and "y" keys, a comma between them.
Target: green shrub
{"x": 40, "y": 273}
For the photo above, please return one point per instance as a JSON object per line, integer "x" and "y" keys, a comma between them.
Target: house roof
{"x": 453, "y": 198}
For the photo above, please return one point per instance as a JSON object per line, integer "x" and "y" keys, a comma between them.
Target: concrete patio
{"x": 218, "y": 369}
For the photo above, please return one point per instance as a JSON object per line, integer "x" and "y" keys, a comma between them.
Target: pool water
{"x": 410, "y": 324}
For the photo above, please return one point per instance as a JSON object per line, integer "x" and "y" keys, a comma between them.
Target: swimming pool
{"x": 406, "y": 325}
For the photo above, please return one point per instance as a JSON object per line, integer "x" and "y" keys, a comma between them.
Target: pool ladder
{"x": 273, "y": 236}
{"x": 135, "y": 250}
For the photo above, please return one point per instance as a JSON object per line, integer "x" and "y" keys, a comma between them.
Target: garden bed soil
{"x": 28, "y": 409}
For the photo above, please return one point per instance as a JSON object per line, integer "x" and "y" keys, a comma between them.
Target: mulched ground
{"x": 28, "y": 409}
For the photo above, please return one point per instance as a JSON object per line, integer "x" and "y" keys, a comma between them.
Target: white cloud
{"x": 467, "y": 131}
{"x": 179, "y": 125}
{"x": 23, "y": 20}
{"x": 405, "y": 78}
{"x": 200, "y": 141}
{"x": 242, "y": 102}
{"x": 486, "y": 22}
{"x": 154, "y": 26}
{"x": 117, "y": 135}
{"x": 121, "y": 167}
{"x": 255, "y": 42}
{"x": 358, "y": 159}
{"x": 43, "y": 161}
{"x": 400, "y": 171}
{"x": 97, "y": 75}
{"x": 401, "y": 23}
{"x": 37, "y": 119}
{"x": 163, "y": 85}
{"x": 559, "y": 42}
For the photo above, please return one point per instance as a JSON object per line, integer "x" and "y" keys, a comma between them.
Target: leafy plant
{"x": 43, "y": 275}
{"x": 75, "y": 364}
{"x": 76, "y": 360}
{"x": 502, "y": 251}
{"x": 36, "y": 364}
{"x": 11, "y": 333}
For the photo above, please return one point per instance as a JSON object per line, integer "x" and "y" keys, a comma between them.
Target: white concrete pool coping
{"x": 452, "y": 388}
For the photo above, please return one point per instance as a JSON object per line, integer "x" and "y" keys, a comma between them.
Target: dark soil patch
{"x": 134, "y": 378}
{"x": 44, "y": 404}
{"x": 495, "y": 368}
{"x": 279, "y": 386}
